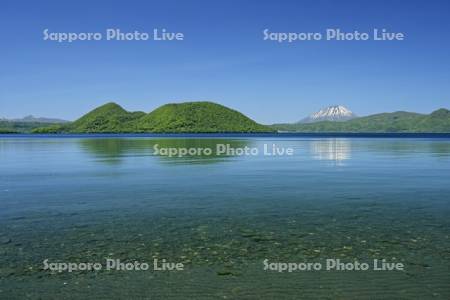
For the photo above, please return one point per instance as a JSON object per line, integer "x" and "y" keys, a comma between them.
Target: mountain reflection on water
{"x": 336, "y": 150}
{"x": 114, "y": 150}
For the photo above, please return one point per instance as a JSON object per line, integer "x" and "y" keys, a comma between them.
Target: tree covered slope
{"x": 188, "y": 117}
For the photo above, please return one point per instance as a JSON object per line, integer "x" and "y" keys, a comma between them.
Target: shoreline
{"x": 235, "y": 134}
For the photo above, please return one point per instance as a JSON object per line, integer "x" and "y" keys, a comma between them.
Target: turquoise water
{"x": 80, "y": 199}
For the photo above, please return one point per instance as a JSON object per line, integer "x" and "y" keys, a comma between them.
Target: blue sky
{"x": 224, "y": 57}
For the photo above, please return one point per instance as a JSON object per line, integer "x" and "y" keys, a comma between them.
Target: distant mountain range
{"x": 436, "y": 122}
{"x": 26, "y": 124}
{"x": 209, "y": 117}
{"x": 33, "y": 119}
{"x": 330, "y": 113}
{"x": 188, "y": 117}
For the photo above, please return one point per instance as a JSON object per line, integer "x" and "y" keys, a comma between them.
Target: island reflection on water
{"x": 114, "y": 150}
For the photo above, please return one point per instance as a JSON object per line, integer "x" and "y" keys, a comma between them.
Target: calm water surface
{"x": 82, "y": 199}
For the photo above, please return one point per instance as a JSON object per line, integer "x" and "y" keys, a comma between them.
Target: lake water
{"x": 85, "y": 199}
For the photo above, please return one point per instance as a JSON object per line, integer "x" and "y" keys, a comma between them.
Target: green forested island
{"x": 209, "y": 117}
{"x": 436, "y": 122}
{"x": 188, "y": 117}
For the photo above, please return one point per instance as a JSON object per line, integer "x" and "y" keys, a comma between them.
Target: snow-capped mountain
{"x": 330, "y": 113}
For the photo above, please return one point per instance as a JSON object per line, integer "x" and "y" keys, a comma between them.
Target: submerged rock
{"x": 224, "y": 273}
{"x": 5, "y": 240}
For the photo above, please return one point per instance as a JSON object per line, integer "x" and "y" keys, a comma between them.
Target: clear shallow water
{"x": 84, "y": 199}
